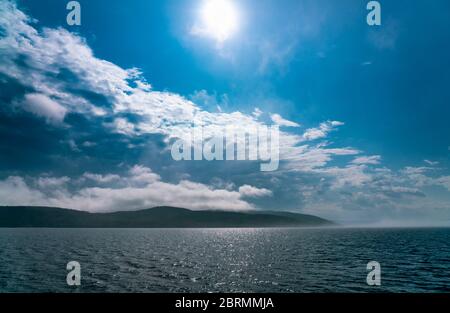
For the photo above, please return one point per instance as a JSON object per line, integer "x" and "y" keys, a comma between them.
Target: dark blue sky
{"x": 308, "y": 61}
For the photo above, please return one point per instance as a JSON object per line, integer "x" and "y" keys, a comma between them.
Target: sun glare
{"x": 220, "y": 19}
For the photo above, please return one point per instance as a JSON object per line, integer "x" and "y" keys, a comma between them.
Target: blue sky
{"x": 84, "y": 124}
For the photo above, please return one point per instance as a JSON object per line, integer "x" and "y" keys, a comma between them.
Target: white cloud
{"x": 431, "y": 163}
{"x": 322, "y": 131}
{"x": 122, "y": 126}
{"x": 257, "y": 113}
{"x": 280, "y": 121}
{"x": 109, "y": 178}
{"x": 139, "y": 189}
{"x": 47, "y": 182}
{"x": 373, "y": 160}
{"x": 402, "y": 190}
{"x": 444, "y": 181}
{"x": 43, "y": 106}
{"x": 143, "y": 175}
{"x": 411, "y": 170}
{"x": 53, "y": 50}
{"x": 14, "y": 191}
{"x": 253, "y": 192}
{"x": 307, "y": 158}
{"x": 351, "y": 175}
{"x": 73, "y": 145}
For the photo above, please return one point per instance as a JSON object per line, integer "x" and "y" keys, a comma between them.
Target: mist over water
{"x": 225, "y": 260}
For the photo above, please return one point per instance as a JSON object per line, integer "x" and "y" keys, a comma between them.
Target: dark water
{"x": 225, "y": 260}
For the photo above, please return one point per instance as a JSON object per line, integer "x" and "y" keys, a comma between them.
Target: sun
{"x": 220, "y": 19}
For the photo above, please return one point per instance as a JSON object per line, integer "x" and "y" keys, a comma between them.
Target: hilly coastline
{"x": 158, "y": 217}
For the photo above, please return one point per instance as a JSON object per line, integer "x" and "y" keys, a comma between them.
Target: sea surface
{"x": 225, "y": 260}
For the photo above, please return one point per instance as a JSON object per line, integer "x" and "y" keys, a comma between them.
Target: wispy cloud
{"x": 374, "y": 160}
{"x": 431, "y": 163}
{"x": 280, "y": 121}
{"x": 322, "y": 131}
